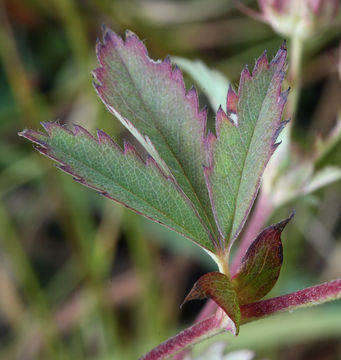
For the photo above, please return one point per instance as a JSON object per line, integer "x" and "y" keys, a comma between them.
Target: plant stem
{"x": 295, "y": 65}
{"x": 207, "y": 310}
{"x": 211, "y": 326}
{"x": 219, "y": 322}
{"x": 261, "y": 214}
{"x": 314, "y": 295}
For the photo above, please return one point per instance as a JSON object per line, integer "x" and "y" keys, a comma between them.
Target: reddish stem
{"x": 250, "y": 12}
{"x": 307, "y": 297}
{"x": 207, "y": 310}
{"x": 219, "y": 322}
{"x": 190, "y": 336}
{"x": 259, "y": 217}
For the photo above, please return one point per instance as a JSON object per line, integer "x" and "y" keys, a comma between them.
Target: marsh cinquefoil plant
{"x": 199, "y": 184}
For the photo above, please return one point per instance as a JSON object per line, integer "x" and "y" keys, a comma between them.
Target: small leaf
{"x": 321, "y": 178}
{"x": 219, "y": 288}
{"x": 150, "y": 99}
{"x": 289, "y": 184}
{"x": 213, "y": 83}
{"x": 261, "y": 264}
{"x": 301, "y": 180}
{"x": 244, "y": 142}
{"x": 121, "y": 176}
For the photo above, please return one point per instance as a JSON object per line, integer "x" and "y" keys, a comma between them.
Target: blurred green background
{"x": 82, "y": 277}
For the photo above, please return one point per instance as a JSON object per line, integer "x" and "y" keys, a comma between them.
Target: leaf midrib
{"x": 243, "y": 166}
{"x": 211, "y": 232}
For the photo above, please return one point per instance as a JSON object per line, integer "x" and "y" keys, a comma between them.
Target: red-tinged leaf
{"x": 150, "y": 99}
{"x": 261, "y": 264}
{"x": 244, "y": 142}
{"x": 219, "y": 288}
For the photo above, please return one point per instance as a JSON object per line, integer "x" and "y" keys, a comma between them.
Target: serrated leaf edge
{"x": 175, "y": 75}
{"x": 231, "y": 118}
{"x": 45, "y": 149}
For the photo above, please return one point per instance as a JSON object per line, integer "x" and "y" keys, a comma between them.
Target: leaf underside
{"x": 261, "y": 264}
{"x": 122, "y": 176}
{"x": 219, "y": 288}
{"x": 244, "y": 142}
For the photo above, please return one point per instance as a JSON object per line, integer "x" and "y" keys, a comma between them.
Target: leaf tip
{"x": 129, "y": 33}
{"x": 284, "y": 96}
{"x": 282, "y": 224}
{"x": 281, "y": 56}
{"x": 48, "y": 126}
{"x": 196, "y": 293}
{"x": 220, "y": 118}
{"x": 261, "y": 63}
{"x": 176, "y": 75}
{"x": 104, "y": 28}
{"x": 103, "y": 137}
{"x": 24, "y": 133}
{"x": 245, "y": 75}
{"x": 284, "y": 45}
{"x": 232, "y": 100}
{"x": 192, "y": 96}
{"x": 79, "y": 130}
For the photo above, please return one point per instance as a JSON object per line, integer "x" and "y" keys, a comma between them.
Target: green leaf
{"x": 321, "y": 178}
{"x": 244, "y": 142}
{"x": 121, "y": 176}
{"x": 213, "y": 83}
{"x": 261, "y": 264}
{"x": 289, "y": 184}
{"x": 219, "y": 288}
{"x": 301, "y": 180}
{"x": 150, "y": 99}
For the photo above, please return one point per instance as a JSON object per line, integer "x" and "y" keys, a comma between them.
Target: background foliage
{"x": 83, "y": 278}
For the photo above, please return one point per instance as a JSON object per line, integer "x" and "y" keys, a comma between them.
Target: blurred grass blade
{"x": 321, "y": 178}
{"x": 213, "y": 83}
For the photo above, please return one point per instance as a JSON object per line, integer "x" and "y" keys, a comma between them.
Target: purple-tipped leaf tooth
{"x": 261, "y": 63}
{"x": 192, "y": 96}
{"x": 177, "y": 76}
{"x": 261, "y": 264}
{"x": 34, "y": 136}
{"x": 79, "y": 130}
{"x": 100, "y": 164}
{"x": 150, "y": 99}
{"x": 104, "y": 138}
{"x": 219, "y": 288}
{"x": 245, "y": 140}
{"x": 232, "y": 100}
{"x": 283, "y": 97}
